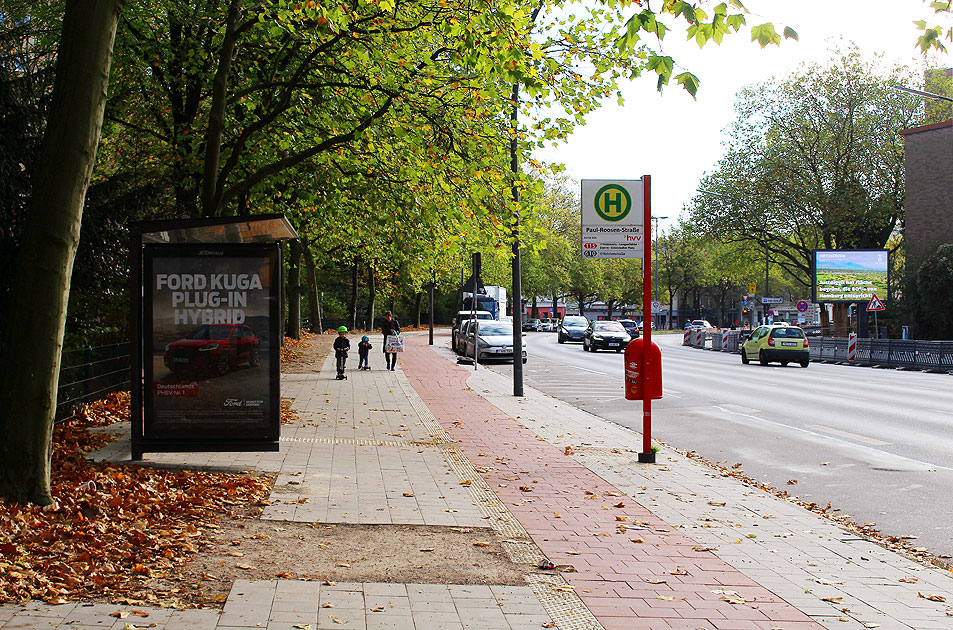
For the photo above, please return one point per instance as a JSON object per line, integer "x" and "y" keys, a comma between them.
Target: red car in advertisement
{"x": 215, "y": 348}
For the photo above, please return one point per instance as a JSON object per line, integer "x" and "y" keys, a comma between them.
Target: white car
{"x": 494, "y": 340}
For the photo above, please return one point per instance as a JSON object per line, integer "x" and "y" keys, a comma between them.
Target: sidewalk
{"x": 441, "y": 461}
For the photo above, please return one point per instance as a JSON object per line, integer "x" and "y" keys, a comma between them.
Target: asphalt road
{"x": 878, "y": 444}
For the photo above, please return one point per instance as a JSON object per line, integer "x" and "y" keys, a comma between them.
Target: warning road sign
{"x": 875, "y": 304}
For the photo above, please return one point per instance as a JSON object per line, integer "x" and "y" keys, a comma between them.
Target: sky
{"x": 676, "y": 139}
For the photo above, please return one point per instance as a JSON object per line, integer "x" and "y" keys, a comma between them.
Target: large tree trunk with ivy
{"x": 294, "y": 291}
{"x": 29, "y": 373}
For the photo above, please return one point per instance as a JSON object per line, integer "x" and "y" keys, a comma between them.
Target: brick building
{"x": 928, "y": 163}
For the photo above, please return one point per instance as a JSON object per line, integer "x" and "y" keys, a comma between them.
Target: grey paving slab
{"x": 799, "y": 555}
{"x": 361, "y": 453}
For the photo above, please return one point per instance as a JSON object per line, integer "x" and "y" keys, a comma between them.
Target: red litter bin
{"x": 653, "y": 370}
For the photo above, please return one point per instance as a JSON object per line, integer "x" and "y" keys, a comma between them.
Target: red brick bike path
{"x": 633, "y": 571}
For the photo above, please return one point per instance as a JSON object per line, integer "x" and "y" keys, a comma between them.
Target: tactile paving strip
{"x": 350, "y": 441}
{"x": 562, "y": 603}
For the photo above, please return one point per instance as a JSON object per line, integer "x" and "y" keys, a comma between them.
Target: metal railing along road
{"x": 888, "y": 353}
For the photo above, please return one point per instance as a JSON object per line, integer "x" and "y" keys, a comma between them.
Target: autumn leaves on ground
{"x": 114, "y": 532}
{"x": 123, "y": 533}
{"x": 140, "y": 535}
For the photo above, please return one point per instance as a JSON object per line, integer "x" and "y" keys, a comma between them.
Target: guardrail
{"x": 933, "y": 356}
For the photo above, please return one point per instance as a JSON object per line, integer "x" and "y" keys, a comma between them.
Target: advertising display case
{"x": 207, "y": 331}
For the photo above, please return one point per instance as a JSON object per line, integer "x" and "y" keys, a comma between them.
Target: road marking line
{"x": 848, "y": 435}
{"x": 803, "y": 430}
{"x": 739, "y": 408}
{"x": 593, "y": 371}
{"x": 950, "y": 413}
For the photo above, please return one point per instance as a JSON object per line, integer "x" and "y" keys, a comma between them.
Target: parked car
{"x": 456, "y": 342}
{"x": 545, "y": 325}
{"x": 698, "y": 323}
{"x": 631, "y": 326}
{"x": 606, "y": 335}
{"x": 494, "y": 340}
{"x": 572, "y": 328}
{"x": 215, "y": 348}
{"x": 776, "y": 342}
{"x": 531, "y": 324}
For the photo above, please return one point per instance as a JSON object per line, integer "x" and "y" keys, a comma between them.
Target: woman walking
{"x": 389, "y": 328}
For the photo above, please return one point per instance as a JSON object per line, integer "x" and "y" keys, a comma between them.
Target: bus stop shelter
{"x": 206, "y": 333}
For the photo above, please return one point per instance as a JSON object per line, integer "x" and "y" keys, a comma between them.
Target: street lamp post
{"x": 655, "y": 265}
{"x": 764, "y": 239}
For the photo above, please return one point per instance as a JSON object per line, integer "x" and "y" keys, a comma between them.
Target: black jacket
{"x": 390, "y": 327}
{"x": 341, "y": 346}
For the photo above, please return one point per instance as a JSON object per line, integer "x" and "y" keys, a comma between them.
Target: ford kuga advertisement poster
{"x": 212, "y": 369}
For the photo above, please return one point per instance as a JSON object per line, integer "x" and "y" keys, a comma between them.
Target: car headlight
{"x": 168, "y": 347}
{"x": 481, "y": 342}
{"x": 597, "y": 337}
{"x": 212, "y": 346}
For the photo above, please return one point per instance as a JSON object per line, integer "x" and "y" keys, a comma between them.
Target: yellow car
{"x": 776, "y": 342}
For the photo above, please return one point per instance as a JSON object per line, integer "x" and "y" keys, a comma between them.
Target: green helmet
{"x": 342, "y": 328}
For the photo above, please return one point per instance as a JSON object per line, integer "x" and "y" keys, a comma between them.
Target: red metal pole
{"x": 647, "y": 455}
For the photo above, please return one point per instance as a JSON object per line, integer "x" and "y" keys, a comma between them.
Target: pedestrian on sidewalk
{"x": 363, "y": 353}
{"x": 341, "y": 345}
{"x": 389, "y": 328}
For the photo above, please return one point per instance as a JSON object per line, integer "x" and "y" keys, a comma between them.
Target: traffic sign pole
{"x": 647, "y": 455}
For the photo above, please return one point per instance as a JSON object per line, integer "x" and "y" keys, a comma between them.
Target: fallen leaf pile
{"x": 113, "y": 531}
{"x": 288, "y": 415}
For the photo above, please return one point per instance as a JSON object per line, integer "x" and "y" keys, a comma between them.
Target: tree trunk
{"x": 314, "y": 306}
{"x": 211, "y": 191}
{"x": 371, "y": 299}
{"x": 555, "y": 313}
{"x": 418, "y": 307}
{"x": 354, "y": 285}
{"x": 34, "y": 344}
{"x": 294, "y": 290}
{"x": 535, "y": 310}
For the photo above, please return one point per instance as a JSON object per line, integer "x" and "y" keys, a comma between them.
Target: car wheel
{"x": 223, "y": 365}
{"x": 254, "y": 357}
{"x": 761, "y": 359}
{"x": 618, "y": 350}
{"x": 524, "y": 360}
{"x": 561, "y": 340}
{"x": 804, "y": 364}
{"x": 744, "y": 357}
{"x": 784, "y": 363}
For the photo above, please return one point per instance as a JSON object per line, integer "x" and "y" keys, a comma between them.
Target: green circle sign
{"x": 612, "y": 202}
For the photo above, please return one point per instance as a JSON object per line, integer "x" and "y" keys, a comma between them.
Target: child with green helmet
{"x": 341, "y": 345}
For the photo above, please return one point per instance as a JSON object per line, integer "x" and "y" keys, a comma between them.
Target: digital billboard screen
{"x": 851, "y": 275}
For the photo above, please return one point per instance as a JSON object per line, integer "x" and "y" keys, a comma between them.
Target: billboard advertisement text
{"x": 851, "y": 275}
